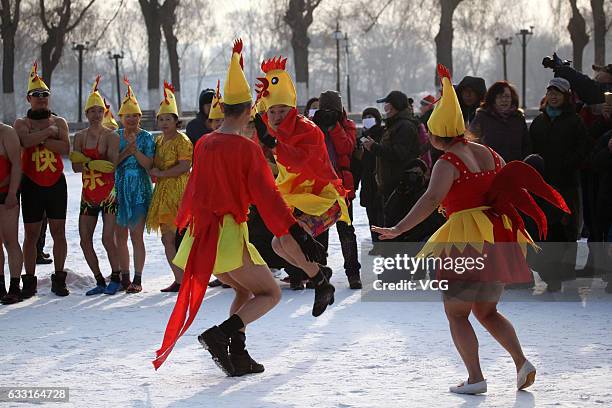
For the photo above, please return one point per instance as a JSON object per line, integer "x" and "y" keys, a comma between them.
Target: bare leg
{"x": 31, "y": 234}
{"x": 464, "y": 337}
{"x": 258, "y": 280}
{"x": 136, "y": 236}
{"x": 60, "y": 246}
{"x": 87, "y": 226}
{"x": 108, "y": 240}
{"x": 9, "y": 227}
{"x": 123, "y": 252}
{"x": 501, "y": 329}
{"x": 242, "y": 294}
{"x": 168, "y": 239}
{"x": 287, "y": 248}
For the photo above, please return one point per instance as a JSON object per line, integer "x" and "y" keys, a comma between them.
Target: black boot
{"x": 14, "y": 293}
{"x": 354, "y": 281}
{"x": 242, "y": 361}
{"x": 295, "y": 282}
{"x": 327, "y": 271}
{"x": 58, "y": 283}
{"x": 217, "y": 344}
{"x": 2, "y": 288}
{"x": 30, "y": 282}
{"x": 324, "y": 292}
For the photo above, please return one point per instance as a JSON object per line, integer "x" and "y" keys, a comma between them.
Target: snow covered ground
{"x": 358, "y": 354}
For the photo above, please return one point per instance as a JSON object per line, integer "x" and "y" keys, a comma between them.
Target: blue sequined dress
{"x": 132, "y": 182}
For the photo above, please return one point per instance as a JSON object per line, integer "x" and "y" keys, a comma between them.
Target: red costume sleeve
{"x": 266, "y": 197}
{"x": 344, "y": 137}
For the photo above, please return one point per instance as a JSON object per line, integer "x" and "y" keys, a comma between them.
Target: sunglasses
{"x": 40, "y": 94}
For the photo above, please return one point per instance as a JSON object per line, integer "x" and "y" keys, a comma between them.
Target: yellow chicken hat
{"x": 109, "y": 121}
{"x": 277, "y": 87}
{"x": 168, "y": 104}
{"x": 36, "y": 82}
{"x": 446, "y": 119}
{"x": 236, "y": 88}
{"x": 94, "y": 98}
{"x": 216, "y": 107}
{"x": 129, "y": 105}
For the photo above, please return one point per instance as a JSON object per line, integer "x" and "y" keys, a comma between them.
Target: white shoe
{"x": 465, "y": 388}
{"x": 525, "y": 376}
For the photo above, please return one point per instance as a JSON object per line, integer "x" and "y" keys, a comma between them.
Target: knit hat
{"x": 561, "y": 84}
{"x": 330, "y": 100}
{"x": 374, "y": 112}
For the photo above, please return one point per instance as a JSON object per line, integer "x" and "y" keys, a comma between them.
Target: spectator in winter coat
{"x": 198, "y": 126}
{"x": 559, "y": 137}
{"x": 312, "y": 106}
{"x": 500, "y": 124}
{"x": 398, "y": 145}
{"x": 369, "y": 197}
{"x": 340, "y": 138}
{"x": 602, "y": 167}
{"x": 471, "y": 92}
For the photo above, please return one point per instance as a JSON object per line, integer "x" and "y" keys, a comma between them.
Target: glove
{"x": 325, "y": 119}
{"x": 78, "y": 157}
{"x": 262, "y": 133}
{"x": 102, "y": 166}
{"x": 312, "y": 249}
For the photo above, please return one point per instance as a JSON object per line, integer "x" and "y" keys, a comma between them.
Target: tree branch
{"x": 78, "y": 20}
{"x": 377, "y": 16}
{"x": 43, "y": 15}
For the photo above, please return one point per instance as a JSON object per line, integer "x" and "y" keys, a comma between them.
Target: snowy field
{"x": 358, "y": 354}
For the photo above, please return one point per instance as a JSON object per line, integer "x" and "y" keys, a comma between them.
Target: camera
{"x": 554, "y": 61}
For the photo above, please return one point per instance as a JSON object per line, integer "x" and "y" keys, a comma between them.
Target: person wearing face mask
{"x": 398, "y": 145}
{"x": 500, "y": 124}
{"x": 44, "y": 139}
{"x": 559, "y": 137}
{"x": 94, "y": 156}
{"x": 312, "y": 106}
{"x": 340, "y": 139}
{"x": 369, "y": 197}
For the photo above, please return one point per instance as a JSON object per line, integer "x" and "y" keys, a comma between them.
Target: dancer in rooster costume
{"x": 230, "y": 173}
{"x": 306, "y": 178}
{"x": 480, "y": 195}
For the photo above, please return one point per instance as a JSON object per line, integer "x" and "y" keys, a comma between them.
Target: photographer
{"x": 340, "y": 138}
{"x": 590, "y": 91}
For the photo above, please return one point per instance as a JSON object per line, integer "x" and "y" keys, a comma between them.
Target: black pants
{"x": 374, "y": 213}
{"x": 348, "y": 243}
{"x": 40, "y": 244}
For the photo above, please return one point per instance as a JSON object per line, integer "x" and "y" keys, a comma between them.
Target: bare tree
{"x": 57, "y": 26}
{"x": 578, "y": 35}
{"x": 168, "y": 23}
{"x": 444, "y": 38}
{"x": 299, "y": 16}
{"x": 10, "y": 22}
{"x": 599, "y": 31}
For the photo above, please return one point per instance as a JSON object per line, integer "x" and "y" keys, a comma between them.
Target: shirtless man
{"x": 10, "y": 177}
{"x": 94, "y": 155}
{"x": 44, "y": 139}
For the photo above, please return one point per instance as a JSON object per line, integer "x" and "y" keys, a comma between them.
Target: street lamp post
{"x": 117, "y": 57}
{"x": 80, "y": 48}
{"x": 522, "y": 35}
{"x": 338, "y": 37}
{"x": 505, "y": 43}
{"x": 348, "y": 70}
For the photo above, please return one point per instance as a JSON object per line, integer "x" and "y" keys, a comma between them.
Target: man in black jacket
{"x": 398, "y": 145}
{"x": 471, "y": 92}
{"x": 198, "y": 126}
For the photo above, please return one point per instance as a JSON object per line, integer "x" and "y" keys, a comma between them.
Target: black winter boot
{"x": 242, "y": 361}
{"x": 324, "y": 292}
{"x": 30, "y": 282}
{"x": 58, "y": 283}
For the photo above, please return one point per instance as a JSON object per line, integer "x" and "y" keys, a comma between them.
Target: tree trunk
{"x": 578, "y": 35}
{"x": 444, "y": 38}
{"x": 150, "y": 11}
{"x": 299, "y": 43}
{"x": 599, "y": 31}
{"x": 171, "y": 43}
{"x": 50, "y": 54}
{"x": 8, "y": 80}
